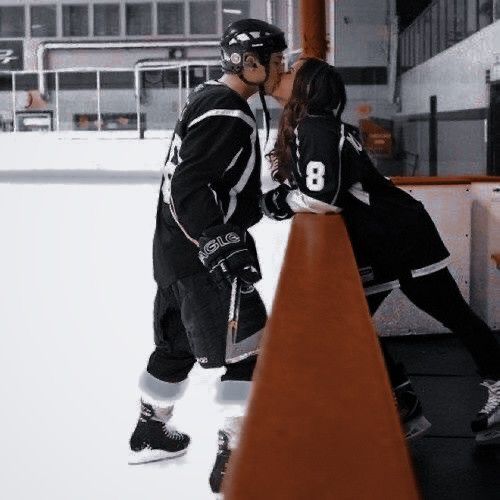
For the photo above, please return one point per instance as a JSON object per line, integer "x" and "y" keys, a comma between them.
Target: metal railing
{"x": 179, "y": 71}
{"x": 441, "y": 25}
{"x": 178, "y": 66}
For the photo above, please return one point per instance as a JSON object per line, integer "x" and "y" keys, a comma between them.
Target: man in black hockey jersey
{"x": 209, "y": 197}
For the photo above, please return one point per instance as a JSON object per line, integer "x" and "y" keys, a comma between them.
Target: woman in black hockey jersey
{"x": 323, "y": 169}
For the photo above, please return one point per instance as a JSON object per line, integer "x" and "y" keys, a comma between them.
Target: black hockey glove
{"x": 224, "y": 252}
{"x": 274, "y": 203}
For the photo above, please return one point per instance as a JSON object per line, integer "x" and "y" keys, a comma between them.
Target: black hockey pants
{"x": 439, "y": 296}
{"x": 190, "y": 324}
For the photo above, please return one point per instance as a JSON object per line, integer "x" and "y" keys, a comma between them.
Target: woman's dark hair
{"x": 318, "y": 89}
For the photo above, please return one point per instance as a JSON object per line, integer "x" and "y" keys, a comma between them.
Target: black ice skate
{"x": 221, "y": 461}
{"x": 153, "y": 439}
{"x": 486, "y": 425}
{"x": 228, "y": 439}
{"x": 410, "y": 411}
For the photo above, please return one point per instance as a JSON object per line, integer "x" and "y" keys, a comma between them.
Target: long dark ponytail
{"x": 319, "y": 89}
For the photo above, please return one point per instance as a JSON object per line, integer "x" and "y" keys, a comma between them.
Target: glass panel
{"x": 471, "y": 16}
{"x": 26, "y": 81}
{"x": 232, "y": 10}
{"x": 415, "y": 39}
{"x": 160, "y": 99}
{"x": 402, "y": 50}
{"x": 420, "y": 41}
{"x": 43, "y": 21}
{"x": 106, "y": 20}
{"x": 450, "y": 23}
{"x": 75, "y": 20}
{"x": 406, "y": 52}
{"x": 118, "y": 109}
{"x": 485, "y": 12}
{"x": 411, "y": 46}
{"x": 202, "y": 18}
{"x": 138, "y": 19}
{"x": 442, "y": 25}
{"x": 497, "y": 9}
{"x": 460, "y": 25}
{"x": 11, "y": 22}
{"x": 170, "y": 18}
{"x": 78, "y": 101}
{"x": 427, "y": 35}
{"x": 434, "y": 29}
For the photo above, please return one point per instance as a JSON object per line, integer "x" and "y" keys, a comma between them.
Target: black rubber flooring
{"x": 448, "y": 464}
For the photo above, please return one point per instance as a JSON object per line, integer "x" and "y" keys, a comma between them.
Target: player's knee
{"x": 211, "y": 361}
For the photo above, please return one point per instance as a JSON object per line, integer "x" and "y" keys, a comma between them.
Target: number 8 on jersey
{"x": 315, "y": 176}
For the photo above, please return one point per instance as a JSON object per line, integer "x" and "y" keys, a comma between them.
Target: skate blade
{"x": 416, "y": 428}
{"x": 488, "y": 437}
{"x": 149, "y": 455}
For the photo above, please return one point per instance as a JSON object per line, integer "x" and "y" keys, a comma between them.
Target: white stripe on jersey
{"x": 171, "y": 207}
{"x": 238, "y": 187}
{"x": 296, "y": 132}
{"x": 359, "y": 193}
{"x": 341, "y": 145}
{"x": 432, "y": 268}
{"x": 233, "y": 161}
{"x": 235, "y": 113}
{"x": 300, "y": 202}
{"x": 382, "y": 287}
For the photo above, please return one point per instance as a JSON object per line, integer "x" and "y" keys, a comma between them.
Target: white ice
{"x": 76, "y": 300}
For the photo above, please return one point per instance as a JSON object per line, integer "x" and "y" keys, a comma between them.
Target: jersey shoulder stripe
{"x": 215, "y": 97}
{"x": 232, "y": 113}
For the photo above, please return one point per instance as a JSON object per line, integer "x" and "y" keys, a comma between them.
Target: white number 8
{"x": 315, "y": 176}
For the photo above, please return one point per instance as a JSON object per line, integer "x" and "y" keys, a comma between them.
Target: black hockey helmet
{"x": 249, "y": 35}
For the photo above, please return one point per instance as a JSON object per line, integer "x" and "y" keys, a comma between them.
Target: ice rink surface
{"x": 76, "y": 328}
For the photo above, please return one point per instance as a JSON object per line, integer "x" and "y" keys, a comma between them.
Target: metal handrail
{"x": 151, "y": 65}
{"x": 160, "y": 65}
{"x": 414, "y": 24}
{"x": 44, "y": 46}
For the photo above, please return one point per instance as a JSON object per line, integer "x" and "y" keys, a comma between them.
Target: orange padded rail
{"x": 407, "y": 181}
{"x": 322, "y": 423}
{"x": 496, "y": 259}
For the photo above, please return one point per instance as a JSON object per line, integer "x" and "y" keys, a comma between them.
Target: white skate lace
{"x": 172, "y": 432}
{"x": 221, "y": 445}
{"x": 493, "y": 397}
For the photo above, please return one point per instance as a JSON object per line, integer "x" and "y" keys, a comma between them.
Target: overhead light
{"x": 238, "y": 12}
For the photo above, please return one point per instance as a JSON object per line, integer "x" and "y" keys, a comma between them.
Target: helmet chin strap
{"x": 267, "y": 116}
{"x": 262, "y": 93}
{"x": 265, "y": 110}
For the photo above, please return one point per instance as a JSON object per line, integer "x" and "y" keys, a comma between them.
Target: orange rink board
{"x": 321, "y": 423}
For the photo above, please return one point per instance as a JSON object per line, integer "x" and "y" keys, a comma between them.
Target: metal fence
{"x": 148, "y": 97}
{"x": 443, "y": 24}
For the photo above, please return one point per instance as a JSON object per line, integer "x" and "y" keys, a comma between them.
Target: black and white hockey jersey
{"x": 211, "y": 176}
{"x": 391, "y": 232}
